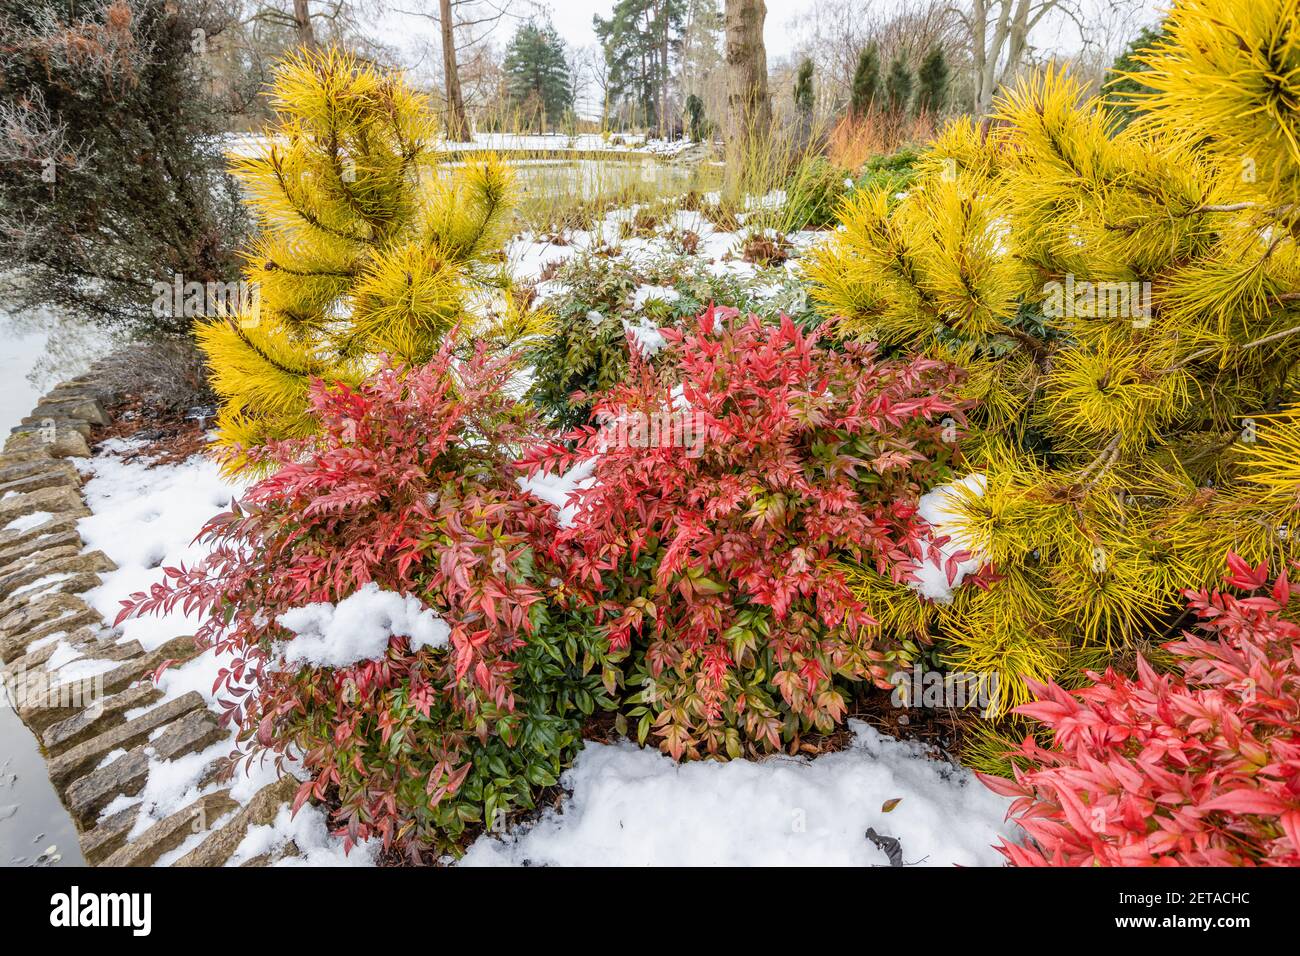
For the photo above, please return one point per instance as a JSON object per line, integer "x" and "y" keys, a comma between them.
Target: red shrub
{"x": 713, "y": 550}
{"x": 1199, "y": 769}
{"x": 412, "y": 486}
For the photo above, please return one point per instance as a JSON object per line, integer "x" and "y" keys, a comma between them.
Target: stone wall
{"x": 44, "y": 569}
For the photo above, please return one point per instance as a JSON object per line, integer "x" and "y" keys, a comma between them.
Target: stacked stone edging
{"x": 43, "y": 571}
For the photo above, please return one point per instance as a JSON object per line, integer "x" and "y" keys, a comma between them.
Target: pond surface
{"x": 589, "y": 178}
{"x": 35, "y": 829}
{"x": 550, "y": 185}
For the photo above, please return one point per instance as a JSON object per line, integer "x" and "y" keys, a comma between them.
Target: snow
{"x": 174, "y": 783}
{"x": 561, "y": 142}
{"x": 648, "y": 339}
{"x": 308, "y": 832}
{"x": 941, "y": 507}
{"x": 111, "y": 757}
{"x": 145, "y": 519}
{"x": 27, "y": 522}
{"x": 648, "y": 293}
{"x": 62, "y": 654}
{"x": 41, "y": 584}
{"x": 556, "y": 489}
{"x": 635, "y": 807}
{"x": 528, "y": 253}
{"x": 358, "y": 628}
{"x": 83, "y": 668}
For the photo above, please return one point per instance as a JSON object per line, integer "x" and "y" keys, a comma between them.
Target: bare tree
{"x": 665, "y": 28}
{"x": 302, "y": 20}
{"x": 1110, "y": 29}
{"x": 591, "y": 70}
{"x": 457, "y": 123}
{"x": 749, "y": 109}
{"x": 464, "y": 26}
{"x": 298, "y": 17}
{"x": 700, "y": 62}
{"x": 999, "y": 33}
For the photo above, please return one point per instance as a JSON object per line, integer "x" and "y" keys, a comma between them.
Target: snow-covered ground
{"x": 625, "y": 805}
{"x": 146, "y": 519}
{"x": 635, "y": 807}
{"x": 719, "y": 250}
{"x": 250, "y": 144}
{"x": 585, "y": 142}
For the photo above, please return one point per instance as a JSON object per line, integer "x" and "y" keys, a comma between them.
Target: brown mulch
{"x": 166, "y": 438}
{"x": 941, "y": 728}
{"x": 937, "y": 728}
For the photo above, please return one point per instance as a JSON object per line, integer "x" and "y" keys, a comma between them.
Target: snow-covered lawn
{"x": 718, "y": 252}
{"x": 585, "y": 142}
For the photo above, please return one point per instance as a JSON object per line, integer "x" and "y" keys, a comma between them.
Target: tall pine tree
{"x": 866, "y": 81}
{"x": 638, "y": 39}
{"x": 537, "y": 76}
{"x": 898, "y": 86}
{"x": 932, "y": 82}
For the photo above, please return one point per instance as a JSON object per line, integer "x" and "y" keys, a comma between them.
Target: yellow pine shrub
{"x": 1128, "y": 306}
{"x": 366, "y": 247}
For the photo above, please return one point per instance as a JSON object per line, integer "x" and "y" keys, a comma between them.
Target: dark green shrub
{"x": 866, "y": 81}
{"x": 112, "y": 176}
{"x": 588, "y": 352}
{"x": 932, "y": 82}
{"x": 1118, "y": 88}
{"x": 813, "y": 195}
{"x": 898, "y": 86}
{"x": 895, "y": 171}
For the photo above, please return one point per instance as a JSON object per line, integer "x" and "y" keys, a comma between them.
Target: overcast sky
{"x": 572, "y": 18}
